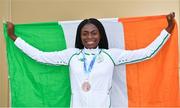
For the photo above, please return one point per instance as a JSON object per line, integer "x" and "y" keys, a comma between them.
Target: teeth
{"x": 90, "y": 42}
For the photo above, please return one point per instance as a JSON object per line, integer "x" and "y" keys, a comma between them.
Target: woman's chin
{"x": 90, "y": 46}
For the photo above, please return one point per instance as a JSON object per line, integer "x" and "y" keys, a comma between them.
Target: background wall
{"x": 26, "y": 11}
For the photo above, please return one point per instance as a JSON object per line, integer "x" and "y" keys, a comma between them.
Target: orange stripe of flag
{"x": 153, "y": 82}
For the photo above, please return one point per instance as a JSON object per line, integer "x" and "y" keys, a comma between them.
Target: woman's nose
{"x": 89, "y": 36}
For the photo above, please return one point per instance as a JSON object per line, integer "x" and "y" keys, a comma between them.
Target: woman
{"x": 91, "y": 63}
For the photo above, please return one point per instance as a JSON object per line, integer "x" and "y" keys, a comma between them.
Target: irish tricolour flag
{"x": 150, "y": 83}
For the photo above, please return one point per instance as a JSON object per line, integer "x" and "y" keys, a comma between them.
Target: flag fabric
{"x": 149, "y": 83}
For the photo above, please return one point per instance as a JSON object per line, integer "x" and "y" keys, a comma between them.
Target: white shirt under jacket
{"x": 100, "y": 77}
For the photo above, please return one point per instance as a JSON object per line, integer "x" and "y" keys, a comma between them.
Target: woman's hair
{"x": 103, "y": 43}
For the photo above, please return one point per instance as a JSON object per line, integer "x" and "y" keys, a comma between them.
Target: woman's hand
{"x": 10, "y": 30}
{"x": 171, "y": 22}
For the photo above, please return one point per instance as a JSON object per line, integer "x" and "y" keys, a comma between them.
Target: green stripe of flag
{"x": 32, "y": 83}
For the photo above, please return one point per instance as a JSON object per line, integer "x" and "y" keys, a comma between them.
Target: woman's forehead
{"x": 89, "y": 27}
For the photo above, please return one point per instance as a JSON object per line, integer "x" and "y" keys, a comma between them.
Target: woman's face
{"x": 90, "y": 36}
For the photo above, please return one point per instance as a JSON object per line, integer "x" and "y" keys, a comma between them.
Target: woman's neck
{"x": 92, "y": 50}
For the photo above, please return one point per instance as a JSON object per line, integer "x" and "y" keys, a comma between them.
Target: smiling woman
{"x": 27, "y": 11}
{"x": 88, "y": 79}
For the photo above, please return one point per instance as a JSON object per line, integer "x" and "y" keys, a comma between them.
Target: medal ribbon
{"x": 88, "y": 70}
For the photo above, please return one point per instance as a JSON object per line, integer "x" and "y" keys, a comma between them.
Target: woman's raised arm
{"x": 132, "y": 56}
{"x": 55, "y": 58}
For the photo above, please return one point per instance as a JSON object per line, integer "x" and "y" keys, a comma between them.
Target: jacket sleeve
{"x": 55, "y": 58}
{"x": 121, "y": 56}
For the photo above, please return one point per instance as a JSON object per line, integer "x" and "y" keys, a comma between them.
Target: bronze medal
{"x": 86, "y": 86}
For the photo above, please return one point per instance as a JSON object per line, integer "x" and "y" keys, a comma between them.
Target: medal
{"x": 87, "y": 69}
{"x": 86, "y": 86}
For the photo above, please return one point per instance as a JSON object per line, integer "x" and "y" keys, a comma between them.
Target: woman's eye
{"x": 94, "y": 33}
{"x": 84, "y": 34}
